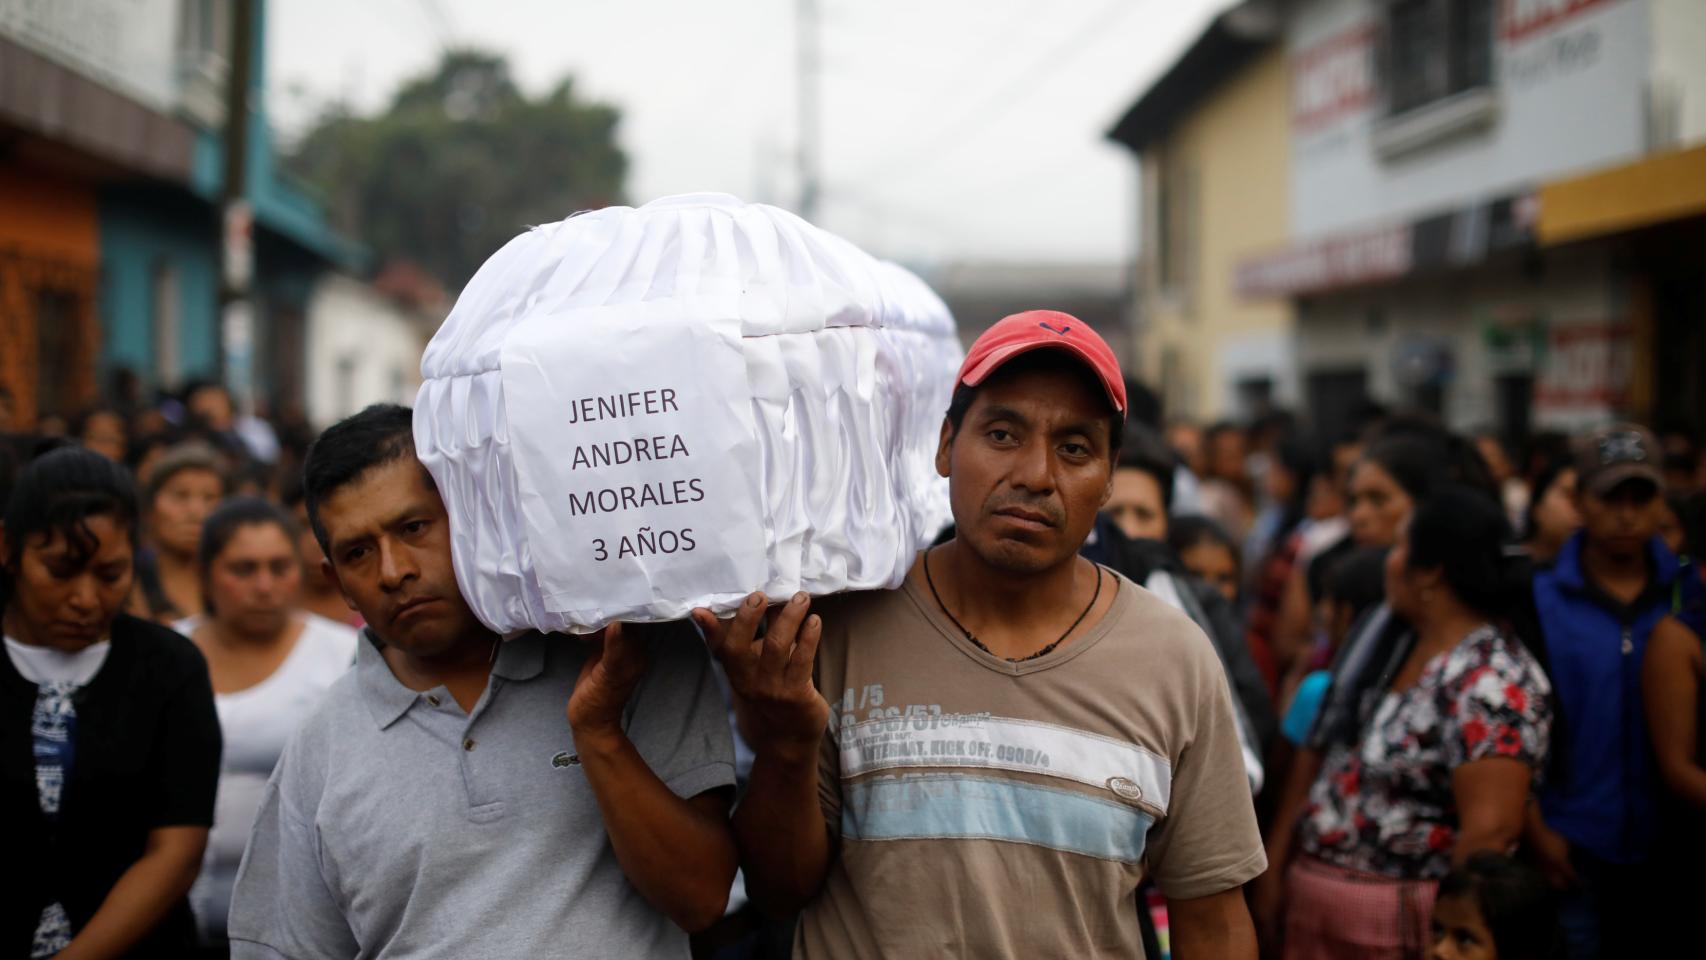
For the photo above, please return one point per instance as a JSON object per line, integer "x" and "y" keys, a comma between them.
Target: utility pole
{"x": 236, "y": 315}
{"x": 807, "y": 67}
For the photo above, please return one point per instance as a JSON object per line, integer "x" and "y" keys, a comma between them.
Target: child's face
{"x": 1215, "y": 564}
{"x": 1459, "y": 933}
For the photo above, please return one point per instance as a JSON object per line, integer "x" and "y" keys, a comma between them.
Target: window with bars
{"x": 1436, "y": 49}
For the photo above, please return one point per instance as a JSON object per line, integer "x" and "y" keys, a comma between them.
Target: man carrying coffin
{"x": 994, "y": 755}
{"x": 437, "y": 804}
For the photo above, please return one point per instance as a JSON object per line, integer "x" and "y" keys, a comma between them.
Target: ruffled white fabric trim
{"x": 823, "y": 473}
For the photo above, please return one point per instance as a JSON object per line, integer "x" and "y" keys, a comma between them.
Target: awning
{"x": 1656, "y": 189}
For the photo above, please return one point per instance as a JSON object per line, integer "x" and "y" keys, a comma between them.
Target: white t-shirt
{"x": 41, "y": 665}
{"x": 256, "y": 722}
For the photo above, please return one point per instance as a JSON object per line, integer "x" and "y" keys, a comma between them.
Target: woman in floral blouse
{"x": 1450, "y": 742}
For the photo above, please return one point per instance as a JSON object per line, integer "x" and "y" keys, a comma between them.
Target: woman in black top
{"x": 109, "y": 744}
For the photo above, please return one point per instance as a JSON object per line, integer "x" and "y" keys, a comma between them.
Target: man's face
{"x": 1186, "y": 441}
{"x": 1028, "y": 468}
{"x": 389, "y": 552}
{"x": 1226, "y": 455}
{"x": 104, "y": 433}
{"x": 1213, "y": 564}
{"x": 1135, "y": 505}
{"x": 212, "y": 405}
{"x": 1622, "y": 520}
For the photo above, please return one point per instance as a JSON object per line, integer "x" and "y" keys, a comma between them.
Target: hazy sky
{"x": 952, "y": 129}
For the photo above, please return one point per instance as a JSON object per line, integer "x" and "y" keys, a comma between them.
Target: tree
{"x": 460, "y": 162}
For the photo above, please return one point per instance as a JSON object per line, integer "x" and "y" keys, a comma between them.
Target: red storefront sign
{"x": 1341, "y": 261}
{"x": 1520, "y": 19}
{"x": 1586, "y": 365}
{"x": 1334, "y": 78}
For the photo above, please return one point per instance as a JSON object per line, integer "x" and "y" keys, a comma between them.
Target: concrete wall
{"x": 1679, "y": 66}
{"x": 130, "y": 45}
{"x": 1568, "y": 95}
{"x": 1199, "y": 337}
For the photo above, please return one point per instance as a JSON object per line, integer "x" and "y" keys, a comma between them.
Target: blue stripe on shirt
{"x": 957, "y": 807}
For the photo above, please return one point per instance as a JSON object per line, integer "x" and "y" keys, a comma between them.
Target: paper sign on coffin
{"x": 634, "y": 412}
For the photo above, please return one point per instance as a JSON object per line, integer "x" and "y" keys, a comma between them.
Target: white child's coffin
{"x": 635, "y": 412}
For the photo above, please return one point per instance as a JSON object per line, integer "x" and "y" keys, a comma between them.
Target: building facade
{"x": 978, "y": 293}
{"x": 1211, "y": 141}
{"x": 365, "y": 340}
{"x": 71, "y": 130}
{"x": 111, "y": 230}
{"x": 1454, "y": 243}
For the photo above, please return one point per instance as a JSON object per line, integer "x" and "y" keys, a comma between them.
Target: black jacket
{"x": 146, "y": 756}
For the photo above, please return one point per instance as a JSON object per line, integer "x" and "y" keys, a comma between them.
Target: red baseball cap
{"x": 1039, "y": 330}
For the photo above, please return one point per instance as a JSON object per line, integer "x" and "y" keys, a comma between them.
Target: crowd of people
{"x": 1474, "y": 651}
{"x": 1461, "y": 716}
{"x": 167, "y": 631}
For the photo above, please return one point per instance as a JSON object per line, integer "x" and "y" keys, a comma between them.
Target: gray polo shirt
{"x": 396, "y": 825}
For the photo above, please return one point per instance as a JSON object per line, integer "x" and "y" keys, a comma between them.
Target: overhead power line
{"x": 953, "y": 134}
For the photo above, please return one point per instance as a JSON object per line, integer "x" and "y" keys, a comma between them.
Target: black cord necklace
{"x": 1094, "y": 596}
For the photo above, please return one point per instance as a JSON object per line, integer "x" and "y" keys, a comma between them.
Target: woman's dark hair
{"x": 1421, "y": 460}
{"x": 1679, "y": 505}
{"x": 1193, "y": 530}
{"x": 1694, "y": 521}
{"x": 1303, "y": 460}
{"x": 1411, "y": 461}
{"x": 1516, "y": 904}
{"x": 1051, "y": 359}
{"x": 291, "y": 492}
{"x": 188, "y": 456}
{"x": 1357, "y": 580}
{"x": 139, "y": 447}
{"x": 1145, "y": 451}
{"x": 1463, "y": 534}
{"x": 1547, "y": 475}
{"x": 1543, "y": 450}
{"x": 58, "y": 493}
{"x": 231, "y": 516}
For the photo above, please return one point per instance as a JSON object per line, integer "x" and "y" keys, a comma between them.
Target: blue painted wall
{"x": 141, "y": 230}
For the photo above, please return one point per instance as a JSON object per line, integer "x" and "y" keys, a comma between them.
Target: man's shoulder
{"x": 860, "y": 603}
{"x": 856, "y": 613}
{"x": 1148, "y": 624}
{"x": 338, "y": 719}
